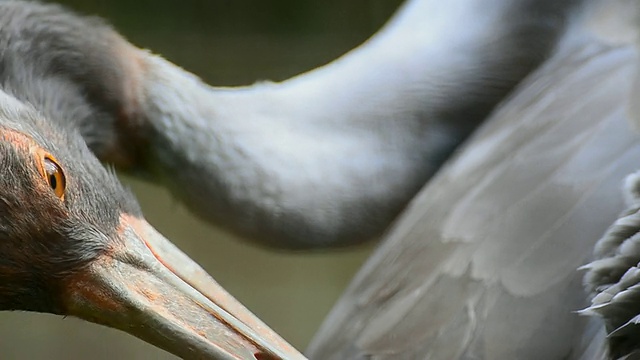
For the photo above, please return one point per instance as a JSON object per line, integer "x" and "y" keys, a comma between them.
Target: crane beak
{"x": 149, "y": 288}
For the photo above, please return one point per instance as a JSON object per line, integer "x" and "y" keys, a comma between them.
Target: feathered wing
{"x": 614, "y": 276}
{"x": 483, "y": 263}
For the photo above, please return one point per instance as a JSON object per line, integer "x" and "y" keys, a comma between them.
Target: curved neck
{"x": 331, "y": 156}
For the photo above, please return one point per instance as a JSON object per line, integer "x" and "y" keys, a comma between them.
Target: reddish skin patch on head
{"x": 36, "y": 152}
{"x": 17, "y": 138}
{"x": 25, "y": 143}
{"x": 83, "y": 289}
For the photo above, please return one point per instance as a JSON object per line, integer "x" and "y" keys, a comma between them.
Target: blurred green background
{"x": 226, "y": 43}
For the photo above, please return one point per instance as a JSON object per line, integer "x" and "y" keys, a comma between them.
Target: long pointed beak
{"x": 149, "y": 288}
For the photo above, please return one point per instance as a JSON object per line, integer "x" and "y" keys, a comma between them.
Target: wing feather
{"x": 483, "y": 263}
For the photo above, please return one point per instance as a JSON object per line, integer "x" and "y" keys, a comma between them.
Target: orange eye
{"x": 54, "y": 176}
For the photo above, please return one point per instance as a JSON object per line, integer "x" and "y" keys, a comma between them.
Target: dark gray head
{"x": 60, "y": 207}
{"x": 72, "y": 240}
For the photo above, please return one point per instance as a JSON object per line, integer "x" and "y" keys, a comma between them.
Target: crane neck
{"x": 333, "y": 155}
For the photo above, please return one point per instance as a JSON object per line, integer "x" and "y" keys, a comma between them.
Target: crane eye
{"x": 54, "y": 176}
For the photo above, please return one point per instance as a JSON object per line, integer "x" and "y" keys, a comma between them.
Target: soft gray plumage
{"x": 484, "y": 263}
{"x": 330, "y": 157}
{"x": 325, "y": 159}
{"x": 613, "y": 276}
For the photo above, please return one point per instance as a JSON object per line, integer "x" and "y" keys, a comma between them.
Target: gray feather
{"x": 483, "y": 264}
